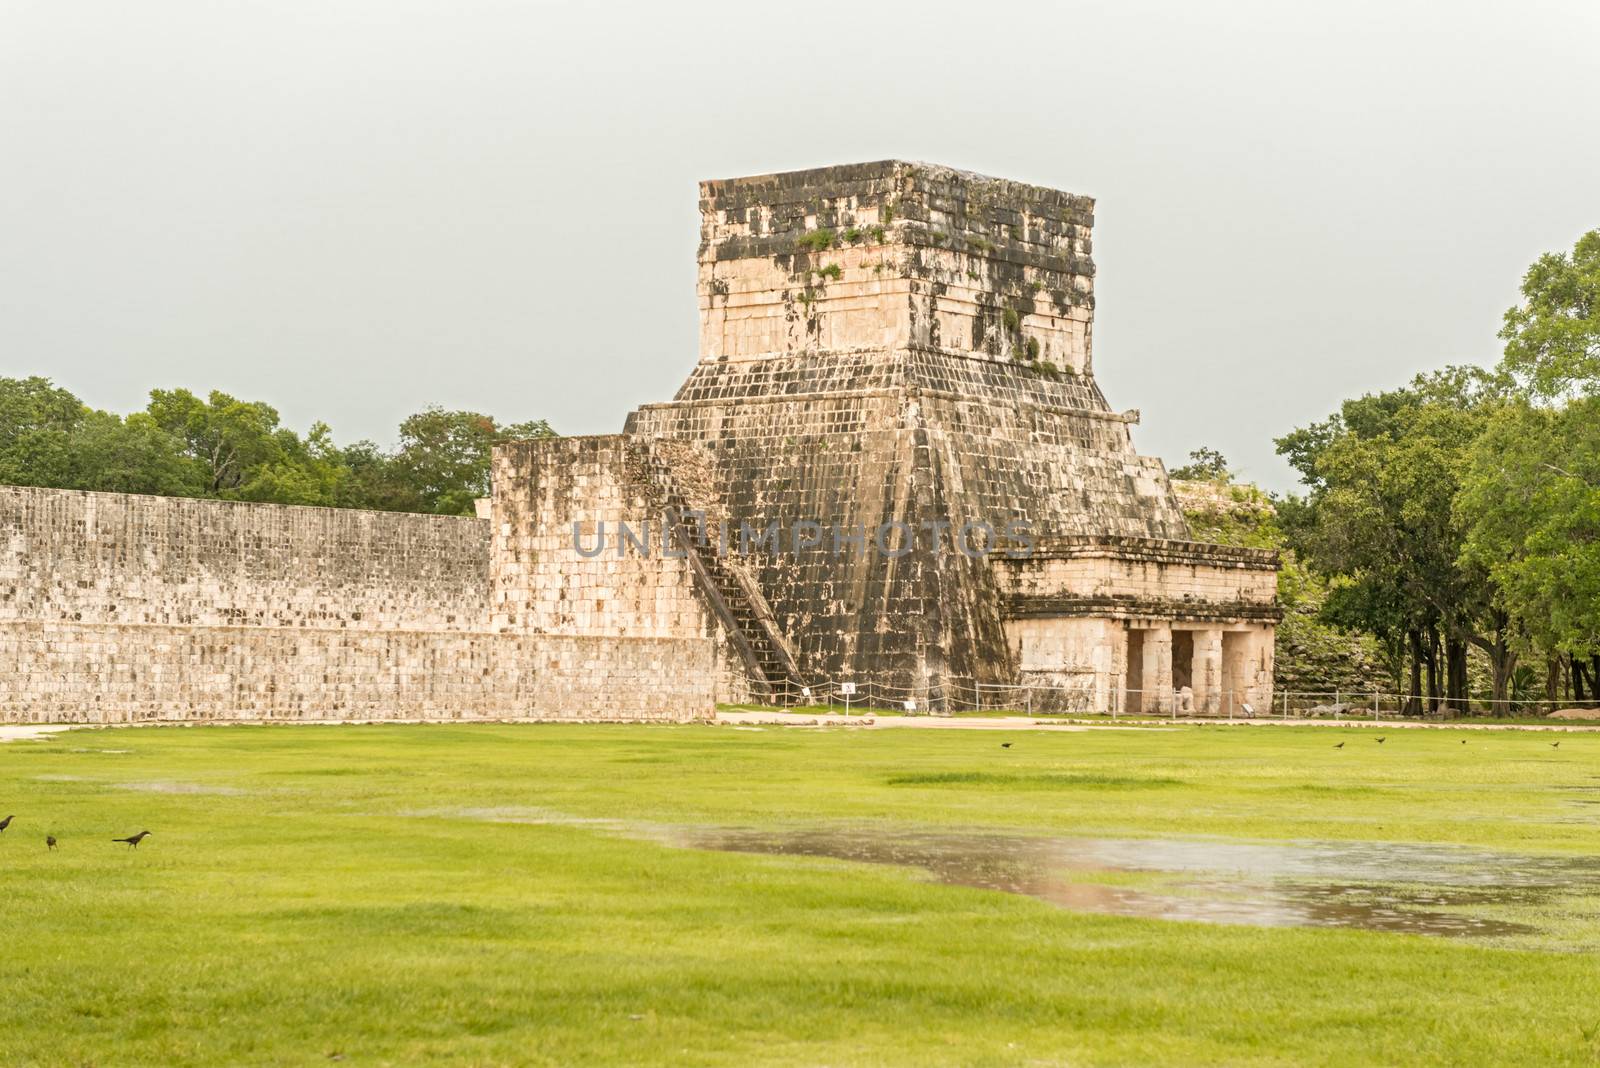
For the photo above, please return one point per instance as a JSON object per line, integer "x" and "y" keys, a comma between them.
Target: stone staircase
{"x": 753, "y": 630}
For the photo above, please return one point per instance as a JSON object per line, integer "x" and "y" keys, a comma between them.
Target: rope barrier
{"x": 952, "y": 696}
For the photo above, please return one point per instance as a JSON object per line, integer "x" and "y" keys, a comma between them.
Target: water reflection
{"x": 1441, "y": 890}
{"x": 1372, "y": 885}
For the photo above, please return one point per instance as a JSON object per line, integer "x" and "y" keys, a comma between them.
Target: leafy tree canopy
{"x": 1553, "y": 337}
{"x": 221, "y": 446}
{"x": 1205, "y": 465}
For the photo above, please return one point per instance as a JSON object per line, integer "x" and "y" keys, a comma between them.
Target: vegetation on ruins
{"x": 1462, "y": 513}
{"x": 489, "y": 894}
{"x": 819, "y": 240}
{"x": 219, "y": 446}
{"x": 1315, "y": 653}
{"x": 1205, "y": 465}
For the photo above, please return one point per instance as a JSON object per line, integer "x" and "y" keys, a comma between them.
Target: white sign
{"x": 805, "y": 691}
{"x": 911, "y": 705}
{"x": 847, "y": 688}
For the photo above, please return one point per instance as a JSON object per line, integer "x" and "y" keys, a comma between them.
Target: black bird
{"x": 1005, "y": 745}
{"x": 1339, "y": 746}
{"x": 1555, "y": 745}
{"x": 49, "y": 841}
{"x": 133, "y": 840}
{"x": 1463, "y": 741}
{"x": 6, "y": 822}
{"x": 1380, "y": 741}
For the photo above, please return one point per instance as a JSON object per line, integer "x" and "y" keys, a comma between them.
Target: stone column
{"x": 1156, "y": 674}
{"x": 1258, "y": 667}
{"x": 1207, "y": 673}
{"x": 1111, "y": 664}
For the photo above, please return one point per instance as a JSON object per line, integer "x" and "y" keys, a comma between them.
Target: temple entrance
{"x": 1182, "y": 659}
{"x": 1133, "y": 688}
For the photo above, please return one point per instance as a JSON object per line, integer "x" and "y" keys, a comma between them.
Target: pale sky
{"x": 355, "y": 208}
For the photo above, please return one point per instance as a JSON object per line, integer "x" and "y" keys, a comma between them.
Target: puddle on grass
{"x": 159, "y": 786}
{"x": 1440, "y": 890}
{"x": 152, "y": 786}
{"x": 1415, "y": 889}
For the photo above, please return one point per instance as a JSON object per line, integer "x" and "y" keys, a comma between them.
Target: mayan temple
{"x": 893, "y": 347}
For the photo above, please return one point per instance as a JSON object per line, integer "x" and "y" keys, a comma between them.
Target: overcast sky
{"x": 355, "y": 208}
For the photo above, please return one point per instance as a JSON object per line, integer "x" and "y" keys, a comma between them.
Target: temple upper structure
{"x": 890, "y": 463}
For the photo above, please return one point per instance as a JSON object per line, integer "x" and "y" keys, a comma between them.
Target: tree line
{"x": 1461, "y": 513}
{"x": 219, "y": 446}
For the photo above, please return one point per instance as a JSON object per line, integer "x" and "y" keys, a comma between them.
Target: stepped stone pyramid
{"x": 895, "y": 370}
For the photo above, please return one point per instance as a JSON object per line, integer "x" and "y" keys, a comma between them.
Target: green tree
{"x": 309, "y": 471}
{"x": 48, "y": 437}
{"x": 1530, "y": 499}
{"x": 131, "y": 455}
{"x": 37, "y": 422}
{"x": 228, "y": 440}
{"x": 1205, "y": 465}
{"x": 1531, "y": 502}
{"x": 444, "y": 456}
{"x": 1553, "y": 337}
{"x": 221, "y": 446}
{"x": 1382, "y": 476}
{"x": 373, "y": 479}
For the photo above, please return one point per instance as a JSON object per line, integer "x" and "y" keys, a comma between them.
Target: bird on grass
{"x": 1463, "y": 741}
{"x": 1005, "y": 745}
{"x": 1555, "y": 745}
{"x": 49, "y": 841}
{"x": 133, "y": 840}
{"x": 1339, "y": 746}
{"x": 1382, "y": 740}
{"x": 6, "y": 822}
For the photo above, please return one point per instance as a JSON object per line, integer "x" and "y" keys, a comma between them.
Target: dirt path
{"x": 27, "y": 732}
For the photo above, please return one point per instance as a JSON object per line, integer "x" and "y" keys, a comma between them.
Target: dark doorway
{"x": 1182, "y": 659}
{"x": 1133, "y": 692}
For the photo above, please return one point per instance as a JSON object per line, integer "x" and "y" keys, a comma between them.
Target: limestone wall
{"x": 892, "y": 255}
{"x": 118, "y": 608}
{"x": 562, "y": 563}
{"x": 1142, "y": 578}
{"x": 543, "y": 583}
{"x": 125, "y": 558}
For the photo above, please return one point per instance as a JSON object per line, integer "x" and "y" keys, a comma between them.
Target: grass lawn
{"x": 389, "y": 895}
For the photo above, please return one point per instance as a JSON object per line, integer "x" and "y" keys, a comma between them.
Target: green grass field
{"x": 485, "y": 895}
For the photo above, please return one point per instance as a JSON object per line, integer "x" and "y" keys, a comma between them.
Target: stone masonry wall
{"x": 117, "y": 608}
{"x": 631, "y": 586}
{"x": 895, "y": 254}
{"x": 1162, "y": 580}
{"x": 125, "y": 558}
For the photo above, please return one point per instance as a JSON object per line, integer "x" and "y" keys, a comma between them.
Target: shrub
{"x": 816, "y": 241}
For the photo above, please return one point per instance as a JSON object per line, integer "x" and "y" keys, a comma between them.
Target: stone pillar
{"x": 1207, "y": 673}
{"x": 1156, "y": 671}
{"x": 1258, "y": 667}
{"x": 1111, "y": 665}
